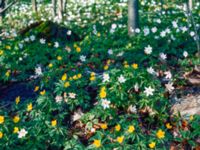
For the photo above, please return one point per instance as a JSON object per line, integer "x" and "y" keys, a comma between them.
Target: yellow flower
{"x": 92, "y": 78}
{"x": 15, "y": 130}
{"x": 59, "y": 58}
{"x": 168, "y": 126}
{"x": 1, "y": 135}
{"x": 160, "y": 134}
{"x": 1, "y": 119}
{"x": 104, "y": 126}
{"x": 108, "y": 61}
{"x": 29, "y": 107}
{"x": 135, "y": 66}
{"x": 98, "y": 34}
{"x": 126, "y": 66}
{"x": 92, "y": 74}
{"x": 106, "y": 67}
{"x": 75, "y": 77}
{"x": 79, "y": 75}
{"x": 54, "y": 123}
{"x": 7, "y": 73}
{"x": 120, "y": 139}
{"x": 67, "y": 84}
{"x": 131, "y": 129}
{"x": 16, "y": 119}
{"x": 1, "y": 52}
{"x": 103, "y": 92}
{"x": 50, "y": 65}
{"x": 75, "y": 46}
{"x": 36, "y": 88}
{"x": 64, "y": 77}
{"x": 78, "y": 49}
{"x": 42, "y": 92}
{"x": 97, "y": 143}
{"x": 8, "y": 47}
{"x": 118, "y": 127}
{"x": 17, "y": 99}
{"x": 191, "y": 117}
{"x": 152, "y": 145}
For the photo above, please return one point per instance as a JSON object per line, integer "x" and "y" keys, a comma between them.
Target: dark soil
{"x": 9, "y": 91}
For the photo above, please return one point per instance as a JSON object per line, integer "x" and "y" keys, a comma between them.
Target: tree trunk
{"x": 54, "y": 7}
{"x": 133, "y": 16}
{"x": 60, "y": 9}
{"x": 2, "y": 6}
{"x": 64, "y": 6}
{"x": 190, "y": 4}
{"x": 34, "y": 5}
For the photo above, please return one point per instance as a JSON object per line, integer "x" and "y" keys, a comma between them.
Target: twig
{"x": 8, "y": 6}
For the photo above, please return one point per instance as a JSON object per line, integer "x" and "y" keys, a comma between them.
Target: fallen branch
{"x": 8, "y": 6}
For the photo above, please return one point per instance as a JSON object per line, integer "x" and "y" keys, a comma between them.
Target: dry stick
{"x": 8, "y": 6}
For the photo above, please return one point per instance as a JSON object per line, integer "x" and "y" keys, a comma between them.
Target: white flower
{"x": 106, "y": 77}
{"x": 168, "y": 74}
{"x": 32, "y": 37}
{"x": 58, "y": 99}
{"x": 38, "y": 71}
{"x": 192, "y": 33}
{"x": 146, "y": 31}
{"x": 149, "y": 91}
{"x": 174, "y": 23}
{"x": 137, "y": 30}
{"x": 154, "y": 29}
{"x": 83, "y": 58}
{"x": 114, "y": 26}
{"x": 121, "y": 79}
{"x": 93, "y": 130}
{"x": 72, "y": 95}
{"x": 20, "y": 58}
{"x": 158, "y": 21}
{"x": 69, "y": 32}
{"x": 150, "y": 70}
{"x": 110, "y": 51}
{"x": 136, "y": 87}
{"x": 56, "y": 44}
{"x": 169, "y": 87}
{"x": 148, "y": 50}
{"x": 105, "y": 103}
{"x": 21, "y": 45}
{"x": 120, "y": 54}
{"x": 167, "y": 30}
{"x": 42, "y": 41}
{"x": 26, "y": 39}
{"x": 163, "y": 34}
{"x": 163, "y": 56}
{"x": 22, "y": 133}
{"x": 185, "y": 54}
{"x": 184, "y": 29}
{"x": 132, "y": 109}
{"x": 77, "y": 115}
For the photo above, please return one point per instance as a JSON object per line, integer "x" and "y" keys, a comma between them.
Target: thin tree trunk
{"x": 2, "y": 7}
{"x": 64, "y": 6}
{"x": 60, "y": 9}
{"x": 133, "y": 16}
{"x": 34, "y": 5}
{"x": 190, "y": 3}
{"x": 191, "y": 19}
{"x": 54, "y": 7}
